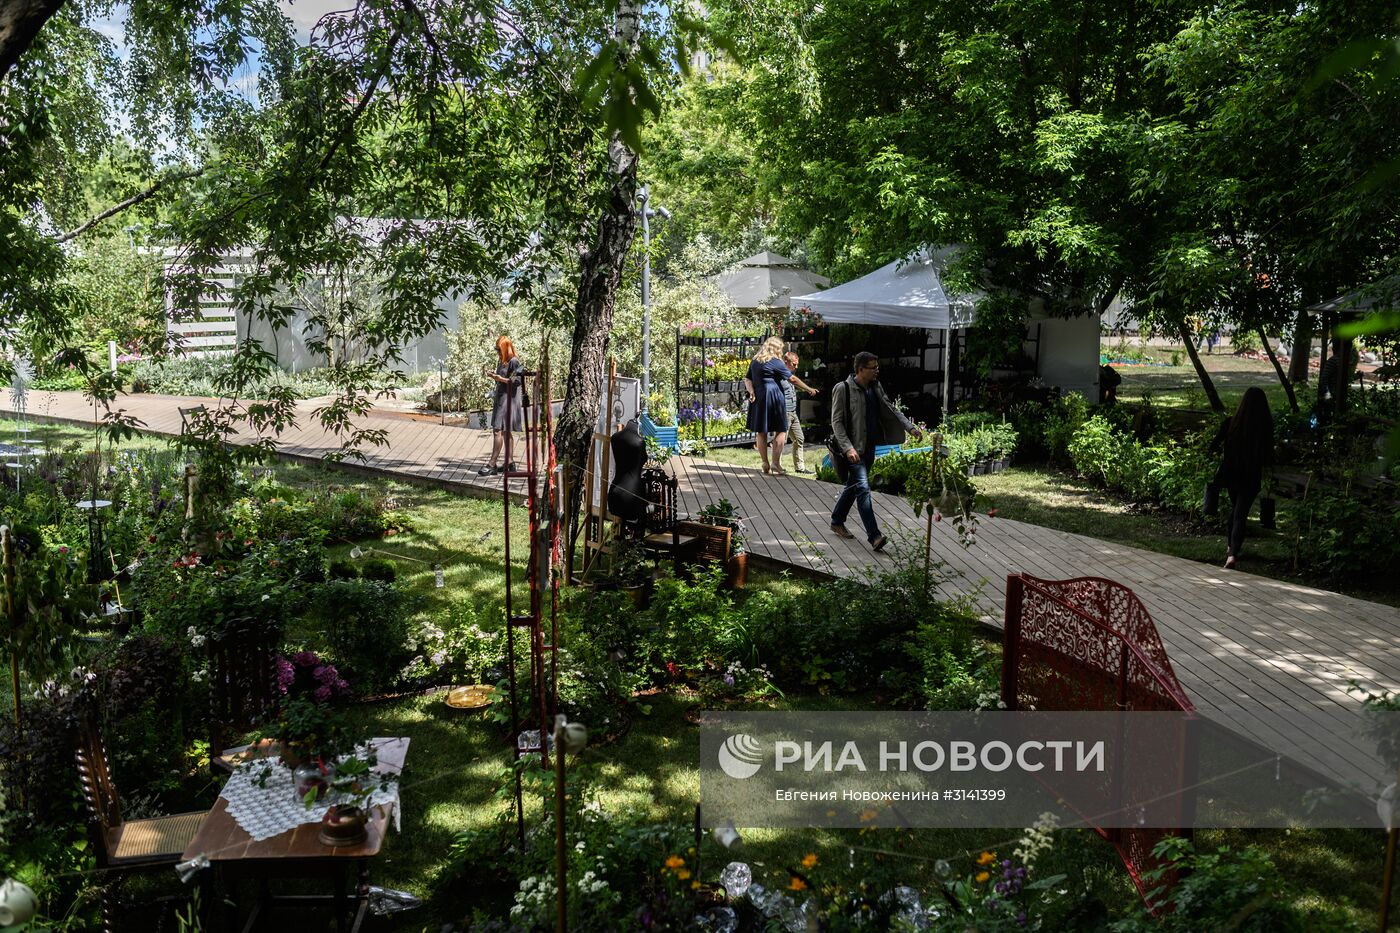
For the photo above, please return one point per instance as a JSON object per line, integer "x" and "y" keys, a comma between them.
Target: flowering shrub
{"x": 306, "y": 674}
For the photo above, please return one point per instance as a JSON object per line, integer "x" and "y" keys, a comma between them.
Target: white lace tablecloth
{"x": 273, "y": 808}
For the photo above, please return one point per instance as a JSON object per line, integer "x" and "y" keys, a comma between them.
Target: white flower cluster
{"x": 54, "y": 689}
{"x": 990, "y": 700}
{"x": 590, "y": 883}
{"x": 196, "y": 639}
{"x": 534, "y": 898}
{"x": 1038, "y": 839}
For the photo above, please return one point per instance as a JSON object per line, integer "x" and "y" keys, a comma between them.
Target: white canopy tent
{"x": 908, "y": 292}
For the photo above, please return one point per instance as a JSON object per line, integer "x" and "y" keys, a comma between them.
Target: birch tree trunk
{"x": 600, "y": 271}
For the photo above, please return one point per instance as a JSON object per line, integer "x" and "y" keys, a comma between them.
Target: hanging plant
{"x": 945, "y": 491}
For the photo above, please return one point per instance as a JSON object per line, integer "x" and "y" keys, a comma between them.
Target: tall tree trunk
{"x": 1282, "y": 377}
{"x": 600, "y": 272}
{"x": 1213, "y": 396}
{"x": 20, "y": 22}
{"x": 1302, "y": 349}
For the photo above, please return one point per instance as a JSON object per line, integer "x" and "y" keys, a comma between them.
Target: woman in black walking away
{"x": 1248, "y": 441}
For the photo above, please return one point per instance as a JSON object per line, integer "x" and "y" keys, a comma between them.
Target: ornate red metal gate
{"x": 1089, "y": 644}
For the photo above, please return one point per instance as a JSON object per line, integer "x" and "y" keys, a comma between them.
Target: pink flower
{"x": 991, "y": 513}
{"x": 938, "y": 516}
{"x": 322, "y": 694}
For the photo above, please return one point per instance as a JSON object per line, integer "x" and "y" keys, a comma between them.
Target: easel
{"x": 596, "y": 522}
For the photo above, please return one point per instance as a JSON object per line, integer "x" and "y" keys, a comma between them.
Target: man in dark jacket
{"x": 863, "y": 416}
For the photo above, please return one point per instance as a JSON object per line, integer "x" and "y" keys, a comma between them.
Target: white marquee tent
{"x": 910, "y": 293}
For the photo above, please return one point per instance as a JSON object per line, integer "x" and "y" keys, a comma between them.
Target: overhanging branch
{"x": 132, "y": 201}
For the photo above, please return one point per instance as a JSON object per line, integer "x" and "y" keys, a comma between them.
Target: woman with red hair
{"x": 509, "y": 384}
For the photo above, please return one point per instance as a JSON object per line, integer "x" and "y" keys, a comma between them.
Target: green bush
{"x": 379, "y": 568}
{"x": 365, "y": 625}
{"x": 1245, "y": 341}
{"x": 1347, "y": 532}
{"x": 341, "y": 569}
{"x": 460, "y": 647}
{"x": 1062, "y": 420}
{"x": 1161, "y": 473}
{"x": 1238, "y": 890}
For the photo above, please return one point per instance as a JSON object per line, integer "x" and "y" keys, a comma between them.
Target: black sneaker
{"x": 879, "y": 543}
{"x": 486, "y": 470}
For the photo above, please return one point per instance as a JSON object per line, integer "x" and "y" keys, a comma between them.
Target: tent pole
{"x": 947, "y": 370}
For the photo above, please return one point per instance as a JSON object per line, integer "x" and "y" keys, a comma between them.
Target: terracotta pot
{"x": 344, "y": 826}
{"x": 737, "y": 571}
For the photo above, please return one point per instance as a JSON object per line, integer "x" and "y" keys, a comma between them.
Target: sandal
{"x": 779, "y": 471}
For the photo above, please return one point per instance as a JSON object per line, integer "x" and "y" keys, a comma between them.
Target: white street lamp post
{"x": 647, "y": 212}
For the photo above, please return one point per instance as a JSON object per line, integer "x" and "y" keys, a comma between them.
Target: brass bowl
{"x": 470, "y": 697}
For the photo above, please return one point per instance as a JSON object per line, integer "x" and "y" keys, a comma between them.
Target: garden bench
{"x": 1089, "y": 644}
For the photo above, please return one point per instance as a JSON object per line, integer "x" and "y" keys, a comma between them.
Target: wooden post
{"x": 7, "y": 553}
{"x": 607, "y": 432}
{"x": 1388, "y": 878}
{"x": 561, "y": 851}
{"x": 189, "y": 501}
{"x": 592, "y": 548}
{"x": 928, "y": 519}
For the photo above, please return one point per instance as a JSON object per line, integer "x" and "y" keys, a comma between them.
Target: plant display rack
{"x": 727, "y": 393}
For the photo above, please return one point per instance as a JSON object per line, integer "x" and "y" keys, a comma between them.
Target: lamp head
{"x": 665, "y": 214}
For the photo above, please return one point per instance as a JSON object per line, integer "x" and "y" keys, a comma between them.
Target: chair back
{"x": 187, "y": 415}
{"x": 243, "y": 690}
{"x": 660, "y": 487}
{"x": 99, "y": 793}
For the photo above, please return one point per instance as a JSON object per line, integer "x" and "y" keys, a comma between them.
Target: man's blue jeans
{"x": 857, "y": 492}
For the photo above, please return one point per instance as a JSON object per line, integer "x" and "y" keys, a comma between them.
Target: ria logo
{"x": 741, "y": 756}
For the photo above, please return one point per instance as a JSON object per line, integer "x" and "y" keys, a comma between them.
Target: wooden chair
{"x": 243, "y": 691}
{"x": 662, "y": 533}
{"x": 122, "y": 846}
{"x": 185, "y": 415}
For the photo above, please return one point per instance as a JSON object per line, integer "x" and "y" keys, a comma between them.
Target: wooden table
{"x": 298, "y": 852}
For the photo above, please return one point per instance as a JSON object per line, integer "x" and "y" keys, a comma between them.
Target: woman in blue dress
{"x": 767, "y": 407}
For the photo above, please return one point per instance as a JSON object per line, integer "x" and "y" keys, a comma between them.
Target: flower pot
{"x": 737, "y": 571}
{"x": 344, "y": 826}
{"x": 639, "y": 594}
{"x": 1268, "y": 509}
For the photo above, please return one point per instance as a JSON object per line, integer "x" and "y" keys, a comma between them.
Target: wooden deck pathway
{"x": 1238, "y": 641}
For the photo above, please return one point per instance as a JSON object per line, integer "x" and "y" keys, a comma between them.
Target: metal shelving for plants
{"x": 729, "y": 392}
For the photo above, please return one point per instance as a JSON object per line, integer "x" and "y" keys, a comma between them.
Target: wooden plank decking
{"x": 1238, "y": 641}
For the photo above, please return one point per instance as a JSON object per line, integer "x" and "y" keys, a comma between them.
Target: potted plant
{"x": 631, "y": 572}
{"x": 308, "y": 727}
{"x": 352, "y": 784}
{"x": 723, "y": 513}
